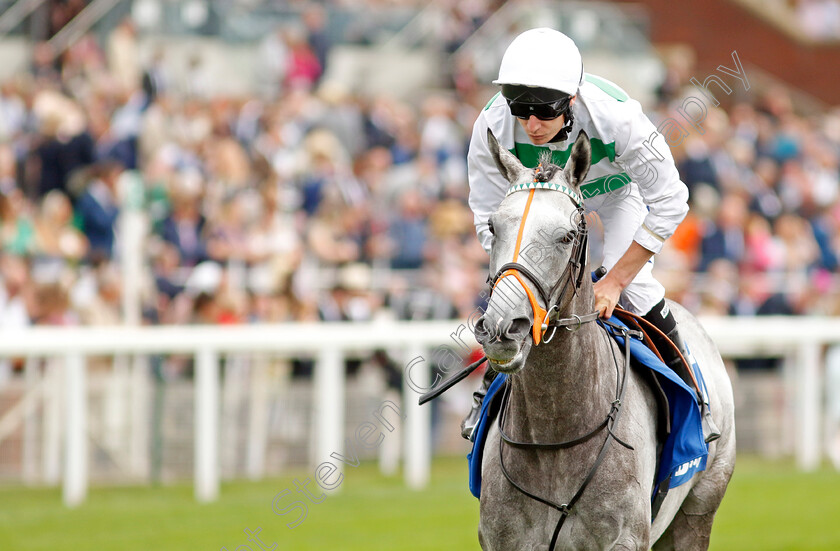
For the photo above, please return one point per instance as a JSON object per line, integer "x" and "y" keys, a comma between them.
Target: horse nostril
{"x": 518, "y": 328}
{"x": 481, "y": 334}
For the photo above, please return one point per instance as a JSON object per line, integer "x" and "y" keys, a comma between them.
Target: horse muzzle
{"x": 505, "y": 342}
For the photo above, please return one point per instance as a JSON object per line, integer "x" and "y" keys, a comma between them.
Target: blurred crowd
{"x": 303, "y": 202}
{"x": 307, "y": 202}
{"x": 763, "y": 232}
{"x": 819, "y": 19}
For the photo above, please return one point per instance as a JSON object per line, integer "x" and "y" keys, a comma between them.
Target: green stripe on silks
{"x": 529, "y": 154}
{"x": 609, "y": 88}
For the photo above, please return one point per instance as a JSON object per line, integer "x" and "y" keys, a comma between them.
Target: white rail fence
{"x": 801, "y": 341}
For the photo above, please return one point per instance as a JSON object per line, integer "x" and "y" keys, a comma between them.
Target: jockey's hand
{"x": 607, "y": 291}
{"x": 609, "y": 288}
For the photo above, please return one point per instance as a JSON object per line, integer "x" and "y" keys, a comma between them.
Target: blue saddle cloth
{"x": 684, "y": 451}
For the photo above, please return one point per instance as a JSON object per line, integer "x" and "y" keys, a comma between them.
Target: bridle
{"x": 573, "y": 272}
{"x": 543, "y": 319}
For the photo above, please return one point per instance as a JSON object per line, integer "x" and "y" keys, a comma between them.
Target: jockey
{"x": 633, "y": 184}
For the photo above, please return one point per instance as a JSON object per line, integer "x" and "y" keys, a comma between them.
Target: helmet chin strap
{"x": 564, "y": 132}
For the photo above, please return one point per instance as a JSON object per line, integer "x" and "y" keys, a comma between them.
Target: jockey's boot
{"x": 661, "y": 317}
{"x": 471, "y": 420}
{"x": 710, "y": 430}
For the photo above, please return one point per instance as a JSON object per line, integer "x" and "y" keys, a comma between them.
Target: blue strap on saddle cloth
{"x": 481, "y": 431}
{"x": 684, "y": 452}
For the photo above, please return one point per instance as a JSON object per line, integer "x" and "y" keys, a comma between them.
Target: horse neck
{"x": 567, "y": 385}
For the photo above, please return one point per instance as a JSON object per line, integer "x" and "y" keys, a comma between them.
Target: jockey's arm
{"x": 608, "y": 288}
{"x": 487, "y": 185}
{"x": 645, "y": 155}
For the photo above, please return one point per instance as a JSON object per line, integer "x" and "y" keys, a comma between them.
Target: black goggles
{"x": 543, "y": 111}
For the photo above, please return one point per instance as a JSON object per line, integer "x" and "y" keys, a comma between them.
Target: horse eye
{"x": 491, "y": 228}
{"x": 569, "y": 237}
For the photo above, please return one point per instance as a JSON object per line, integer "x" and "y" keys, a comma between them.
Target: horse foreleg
{"x": 691, "y": 527}
{"x": 687, "y": 532}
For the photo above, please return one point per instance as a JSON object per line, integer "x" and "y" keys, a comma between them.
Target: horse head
{"x": 538, "y": 253}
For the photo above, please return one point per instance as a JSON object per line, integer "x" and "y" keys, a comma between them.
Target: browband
{"x": 576, "y": 197}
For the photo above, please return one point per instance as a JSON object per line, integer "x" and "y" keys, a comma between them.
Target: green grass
{"x": 769, "y": 506}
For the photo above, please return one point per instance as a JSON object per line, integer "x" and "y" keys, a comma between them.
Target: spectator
{"x": 98, "y": 208}
{"x": 104, "y": 308}
{"x": 13, "y": 113}
{"x": 274, "y": 248}
{"x": 304, "y": 70}
{"x": 55, "y": 236}
{"x": 324, "y": 171}
{"x": 185, "y": 225}
{"x": 317, "y": 35}
{"x": 8, "y": 169}
{"x": 350, "y": 299}
{"x": 155, "y": 81}
{"x": 327, "y": 239}
{"x": 17, "y": 232}
{"x": 53, "y": 306}
{"x": 16, "y": 302}
{"x": 62, "y": 12}
{"x": 66, "y": 144}
{"x": 124, "y": 56}
{"x": 408, "y": 233}
{"x": 798, "y": 250}
{"x": 725, "y": 237}
{"x": 272, "y": 64}
{"x": 227, "y": 234}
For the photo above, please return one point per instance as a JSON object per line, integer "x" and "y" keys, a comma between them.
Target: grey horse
{"x": 564, "y": 388}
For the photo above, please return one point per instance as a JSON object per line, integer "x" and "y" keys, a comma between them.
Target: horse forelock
{"x": 547, "y": 169}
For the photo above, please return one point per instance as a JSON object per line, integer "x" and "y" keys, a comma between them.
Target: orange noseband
{"x": 539, "y": 313}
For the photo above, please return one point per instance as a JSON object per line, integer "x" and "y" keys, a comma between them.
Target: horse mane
{"x": 547, "y": 167}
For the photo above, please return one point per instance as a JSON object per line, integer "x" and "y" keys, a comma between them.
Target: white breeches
{"x": 622, "y": 212}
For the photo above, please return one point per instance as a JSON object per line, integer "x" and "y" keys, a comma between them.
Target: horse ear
{"x": 578, "y": 166}
{"x": 507, "y": 163}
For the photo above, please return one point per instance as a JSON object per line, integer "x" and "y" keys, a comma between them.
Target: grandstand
{"x": 249, "y": 165}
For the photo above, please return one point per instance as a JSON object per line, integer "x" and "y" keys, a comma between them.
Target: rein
{"x": 609, "y": 424}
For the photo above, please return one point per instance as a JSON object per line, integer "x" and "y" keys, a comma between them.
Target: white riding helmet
{"x": 545, "y": 58}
